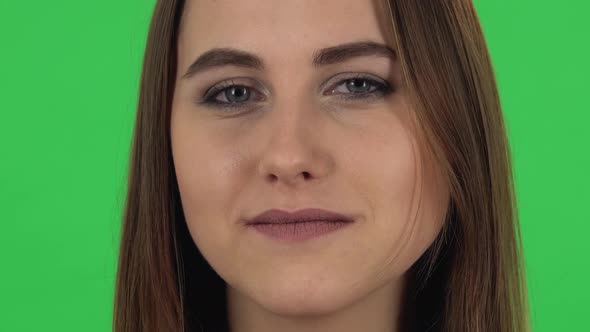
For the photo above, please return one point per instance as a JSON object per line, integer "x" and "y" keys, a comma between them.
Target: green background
{"x": 69, "y": 74}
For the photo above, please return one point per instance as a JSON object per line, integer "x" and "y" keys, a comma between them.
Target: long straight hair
{"x": 470, "y": 279}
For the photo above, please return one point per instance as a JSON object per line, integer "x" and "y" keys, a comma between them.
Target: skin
{"x": 299, "y": 148}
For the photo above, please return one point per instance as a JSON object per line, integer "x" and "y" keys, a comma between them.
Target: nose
{"x": 294, "y": 153}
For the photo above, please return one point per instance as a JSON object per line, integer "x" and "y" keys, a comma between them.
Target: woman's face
{"x": 307, "y": 110}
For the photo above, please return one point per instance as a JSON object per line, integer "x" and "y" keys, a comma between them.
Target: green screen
{"x": 69, "y": 75}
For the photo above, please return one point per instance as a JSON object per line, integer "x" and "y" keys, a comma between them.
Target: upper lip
{"x": 276, "y": 216}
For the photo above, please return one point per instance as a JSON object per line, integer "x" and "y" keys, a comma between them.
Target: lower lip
{"x": 299, "y": 231}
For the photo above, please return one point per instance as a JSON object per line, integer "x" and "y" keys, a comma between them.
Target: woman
{"x": 336, "y": 165}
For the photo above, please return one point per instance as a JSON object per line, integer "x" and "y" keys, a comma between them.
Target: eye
{"x": 358, "y": 87}
{"x": 233, "y": 94}
{"x": 229, "y": 94}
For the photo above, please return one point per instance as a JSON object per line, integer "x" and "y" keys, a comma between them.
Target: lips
{"x": 276, "y": 216}
{"x": 298, "y": 226}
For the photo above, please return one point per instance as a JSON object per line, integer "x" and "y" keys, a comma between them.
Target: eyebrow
{"x": 219, "y": 57}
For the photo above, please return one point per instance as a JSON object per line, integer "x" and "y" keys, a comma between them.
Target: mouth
{"x": 299, "y": 231}
{"x": 300, "y": 225}
{"x": 276, "y": 216}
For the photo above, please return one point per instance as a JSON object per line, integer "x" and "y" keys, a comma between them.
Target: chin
{"x": 303, "y": 297}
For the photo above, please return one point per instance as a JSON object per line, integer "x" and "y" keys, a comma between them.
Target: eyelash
{"x": 379, "y": 89}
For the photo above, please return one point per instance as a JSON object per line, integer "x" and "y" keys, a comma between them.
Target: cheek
{"x": 206, "y": 173}
{"x": 434, "y": 192}
{"x": 406, "y": 197}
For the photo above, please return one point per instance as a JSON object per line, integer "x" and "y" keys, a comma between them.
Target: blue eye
{"x": 356, "y": 86}
{"x": 347, "y": 87}
{"x": 359, "y": 87}
{"x": 236, "y": 94}
{"x": 230, "y": 95}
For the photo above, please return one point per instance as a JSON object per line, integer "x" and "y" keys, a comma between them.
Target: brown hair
{"x": 471, "y": 279}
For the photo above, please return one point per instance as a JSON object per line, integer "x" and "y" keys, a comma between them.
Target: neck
{"x": 379, "y": 311}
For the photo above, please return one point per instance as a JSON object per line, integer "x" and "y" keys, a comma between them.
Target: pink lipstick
{"x": 300, "y": 225}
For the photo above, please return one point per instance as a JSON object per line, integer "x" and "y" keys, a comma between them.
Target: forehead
{"x": 280, "y": 28}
